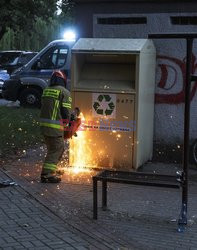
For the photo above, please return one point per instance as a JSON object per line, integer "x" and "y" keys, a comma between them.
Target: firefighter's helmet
{"x": 58, "y": 78}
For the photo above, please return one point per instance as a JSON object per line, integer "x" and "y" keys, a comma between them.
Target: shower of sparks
{"x": 81, "y": 158}
{"x": 80, "y": 164}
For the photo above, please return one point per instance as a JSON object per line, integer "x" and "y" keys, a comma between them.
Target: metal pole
{"x": 182, "y": 222}
{"x": 187, "y": 119}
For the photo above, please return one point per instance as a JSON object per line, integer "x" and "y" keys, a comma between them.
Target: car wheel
{"x": 194, "y": 152}
{"x": 30, "y": 97}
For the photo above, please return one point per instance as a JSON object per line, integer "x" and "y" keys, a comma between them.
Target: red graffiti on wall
{"x": 177, "y": 68}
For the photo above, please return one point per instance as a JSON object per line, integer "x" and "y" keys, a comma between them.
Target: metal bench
{"x": 137, "y": 178}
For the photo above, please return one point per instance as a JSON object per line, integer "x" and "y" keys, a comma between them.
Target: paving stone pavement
{"x": 61, "y": 215}
{"x": 26, "y": 224}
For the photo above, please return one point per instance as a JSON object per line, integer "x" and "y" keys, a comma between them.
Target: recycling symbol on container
{"x": 104, "y": 105}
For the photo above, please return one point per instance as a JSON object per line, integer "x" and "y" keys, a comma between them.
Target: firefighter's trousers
{"x": 55, "y": 149}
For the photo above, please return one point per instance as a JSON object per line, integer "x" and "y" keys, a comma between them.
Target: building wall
{"x": 84, "y": 10}
{"x": 170, "y": 72}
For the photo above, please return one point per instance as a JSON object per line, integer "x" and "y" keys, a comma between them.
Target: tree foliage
{"x": 31, "y": 24}
{"x": 42, "y": 33}
{"x": 21, "y": 15}
{"x": 67, "y": 11}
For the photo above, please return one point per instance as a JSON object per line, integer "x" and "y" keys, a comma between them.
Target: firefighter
{"x": 55, "y": 108}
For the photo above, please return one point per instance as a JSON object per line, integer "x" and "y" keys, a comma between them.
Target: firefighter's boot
{"x": 50, "y": 178}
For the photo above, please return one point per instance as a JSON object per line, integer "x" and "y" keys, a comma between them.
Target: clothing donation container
{"x": 113, "y": 82}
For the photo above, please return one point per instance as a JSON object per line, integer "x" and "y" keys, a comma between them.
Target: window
{"x": 25, "y": 58}
{"x": 121, "y": 20}
{"x": 9, "y": 58}
{"x": 54, "y": 58}
{"x": 184, "y": 20}
{"x": 62, "y": 55}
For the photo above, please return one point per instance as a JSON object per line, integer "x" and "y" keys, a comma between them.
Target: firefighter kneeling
{"x": 56, "y": 108}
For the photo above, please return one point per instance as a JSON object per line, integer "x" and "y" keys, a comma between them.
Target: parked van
{"x": 12, "y": 60}
{"x": 26, "y": 84}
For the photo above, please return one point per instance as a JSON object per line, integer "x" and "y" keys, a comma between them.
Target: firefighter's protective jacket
{"x": 56, "y": 102}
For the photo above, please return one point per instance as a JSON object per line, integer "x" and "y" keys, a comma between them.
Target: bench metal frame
{"x": 141, "y": 178}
